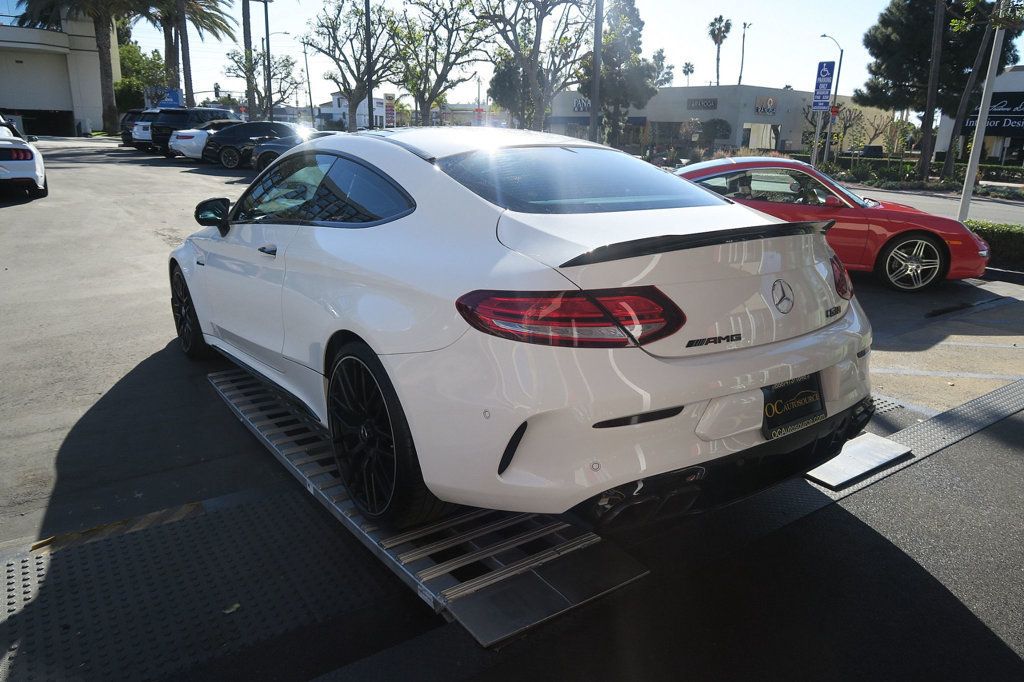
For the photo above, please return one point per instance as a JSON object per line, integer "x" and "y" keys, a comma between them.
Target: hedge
{"x": 1005, "y": 240}
{"x": 895, "y": 169}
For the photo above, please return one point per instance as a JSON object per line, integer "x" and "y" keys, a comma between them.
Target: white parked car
{"x": 190, "y": 142}
{"x": 142, "y": 135}
{"x": 21, "y": 164}
{"x": 528, "y": 322}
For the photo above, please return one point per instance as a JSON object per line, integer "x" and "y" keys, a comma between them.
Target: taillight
{"x": 609, "y": 318}
{"x": 20, "y": 154}
{"x": 184, "y": 137}
{"x": 844, "y": 287}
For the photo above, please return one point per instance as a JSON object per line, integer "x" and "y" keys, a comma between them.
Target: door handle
{"x": 269, "y": 249}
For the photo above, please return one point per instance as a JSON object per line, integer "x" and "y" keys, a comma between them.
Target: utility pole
{"x": 743, "y": 50}
{"x": 595, "y": 86}
{"x": 369, "y": 72}
{"x": 924, "y": 164}
{"x": 250, "y": 95}
{"x": 986, "y": 102}
{"x": 309, "y": 88}
{"x": 835, "y": 96}
{"x": 270, "y": 87}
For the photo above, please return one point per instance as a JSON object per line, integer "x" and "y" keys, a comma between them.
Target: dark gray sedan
{"x": 268, "y": 150}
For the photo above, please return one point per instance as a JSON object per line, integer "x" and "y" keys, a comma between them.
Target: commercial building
{"x": 1004, "y": 132}
{"x": 50, "y": 78}
{"x": 755, "y": 117}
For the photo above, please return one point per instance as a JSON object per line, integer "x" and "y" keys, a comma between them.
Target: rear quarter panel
{"x": 395, "y": 284}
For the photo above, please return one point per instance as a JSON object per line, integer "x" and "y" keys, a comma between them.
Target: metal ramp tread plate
{"x": 497, "y": 573}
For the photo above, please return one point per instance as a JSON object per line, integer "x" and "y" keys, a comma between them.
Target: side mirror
{"x": 832, "y": 201}
{"x": 214, "y": 213}
{"x": 32, "y": 138}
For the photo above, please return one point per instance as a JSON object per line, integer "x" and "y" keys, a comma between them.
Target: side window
{"x": 353, "y": 193}
{"x": 258, "y": 130}
{"x": 288, "y": 193}
{"x": 280, "y": 130}
{"x": 784, "y": 186}
{"x": 733, "y": 185}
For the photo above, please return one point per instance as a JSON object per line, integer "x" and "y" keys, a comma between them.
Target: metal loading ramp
{"x": 497, "y": 573}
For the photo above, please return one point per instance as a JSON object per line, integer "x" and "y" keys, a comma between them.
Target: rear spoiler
{"x": 649, "y": 246}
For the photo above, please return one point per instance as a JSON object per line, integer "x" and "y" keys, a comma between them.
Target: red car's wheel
{"x": 912, "y": 262}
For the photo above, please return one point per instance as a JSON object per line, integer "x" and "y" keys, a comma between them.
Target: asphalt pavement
{"x": 948, "y": 205}
{"x": 103, "y": 420}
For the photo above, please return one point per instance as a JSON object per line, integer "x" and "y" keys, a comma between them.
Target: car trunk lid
{"x": 749, "y": 280}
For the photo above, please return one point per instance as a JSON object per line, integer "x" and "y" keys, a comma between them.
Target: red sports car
{"x": 909, "y": 249}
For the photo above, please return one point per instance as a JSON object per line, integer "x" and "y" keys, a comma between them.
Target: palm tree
{"x": 718, "y": 30}
{"x": 102, "y": 13}
{"x": 250, "y": 96}
{"x": 688, "y": 71}
{"x": 172, "y": 17}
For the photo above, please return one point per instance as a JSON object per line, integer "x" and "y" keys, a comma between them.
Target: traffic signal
{"x": 216, "y": 90}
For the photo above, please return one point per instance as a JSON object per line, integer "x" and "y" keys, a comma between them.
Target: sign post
{"x": 821, "y": 101}
{"x": 389, "y": 111}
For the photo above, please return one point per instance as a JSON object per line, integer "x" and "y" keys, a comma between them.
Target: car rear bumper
{"x": 466, "y": 403}
{"x": 14, "y": 176}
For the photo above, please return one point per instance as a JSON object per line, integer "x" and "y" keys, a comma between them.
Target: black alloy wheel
{"x": 265, "y": 160}
{"x": 373, "y": 444}
{"x": 186, "y": 322}
{"x": 364, "y": 440}
{"x": 230, "y": 158}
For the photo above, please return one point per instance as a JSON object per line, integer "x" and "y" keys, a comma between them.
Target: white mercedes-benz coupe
{"x": 528, "y": 322}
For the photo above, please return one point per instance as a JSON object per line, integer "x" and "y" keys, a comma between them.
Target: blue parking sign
{"x": 823, "y": 86}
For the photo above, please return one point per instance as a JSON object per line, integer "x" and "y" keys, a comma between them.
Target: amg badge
{"x": 728, "y": 338}
{"x": 832, "y": 312}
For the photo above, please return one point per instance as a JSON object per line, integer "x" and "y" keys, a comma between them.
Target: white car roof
{"x": 439, "y": 142}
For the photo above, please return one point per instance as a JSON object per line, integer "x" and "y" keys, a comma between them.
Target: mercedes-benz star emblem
{"x": 782, "y": 296}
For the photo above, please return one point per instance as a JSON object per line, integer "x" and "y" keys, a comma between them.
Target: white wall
{"x": 32, "y": 79}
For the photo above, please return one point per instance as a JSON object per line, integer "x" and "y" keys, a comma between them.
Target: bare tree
{"x": 285, "y": 81}
{"x": 848, "y": 118}
{"x": 875, "y": 126}
{"x": 438, "y": 42}
{"x": 548, "y": 54}
{"x": 339, "y": 33}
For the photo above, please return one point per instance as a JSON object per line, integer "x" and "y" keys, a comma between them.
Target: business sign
{"x": 581, "y": 104}
{"x": 702, "y": 103}
{"x": 1005, "y": 116}
{"x": 822, "y": 98}
{"x": 172, "y": 98}
{"x": 389, "y": 111}
{"x": 765, "y": 106}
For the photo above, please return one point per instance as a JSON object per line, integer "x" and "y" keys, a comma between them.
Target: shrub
{"x": 1005, "y": 240}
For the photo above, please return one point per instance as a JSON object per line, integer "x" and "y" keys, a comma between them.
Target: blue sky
{"x": 783, "y": 43}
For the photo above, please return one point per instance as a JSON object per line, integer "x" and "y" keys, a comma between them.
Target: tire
{"x": 186, "y": 322}
{"x": 912, "y": 262}
{"x": 40, "y": 193}
{"x": 373, "y": 445}
{"x": 265, "y": 160}
{"x": 230, "y": 158}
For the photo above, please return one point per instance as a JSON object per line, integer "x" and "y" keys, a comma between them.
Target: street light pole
{"x": 986, "y": 102}
{"x": 270, "y": 87}
{"x": 309, "y": 88}
{"x": 595, "y": 86}
{"x": 835, "y": 96}
{"x": 369, "y": 75}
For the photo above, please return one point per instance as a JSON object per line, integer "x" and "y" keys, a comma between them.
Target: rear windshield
{"x": 571, "y": 180}
{"x": 146, "y": 117}
{"x": 172, "y": 117}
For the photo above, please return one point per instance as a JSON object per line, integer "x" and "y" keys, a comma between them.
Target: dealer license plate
{"x": 792, "y": 405}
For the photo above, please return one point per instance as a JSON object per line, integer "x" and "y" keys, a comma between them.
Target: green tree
{"x": 901, "y": 52}
{"x": 437, "y": 43}
{"x": 718, "y": 31}
{"x": 101, "y": 13}
{"x": 138, "y": 72}
{"x": 338, "y": 33}
{"x": 547, "y": 39}
{"x": 627, "y": 79}
{"x": 228, "y": 101}
{"x": 285, "y": 81}
{"x": 508, "y": 88}
{"x": 714, "y": 129}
